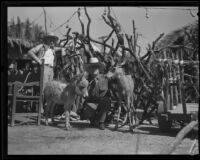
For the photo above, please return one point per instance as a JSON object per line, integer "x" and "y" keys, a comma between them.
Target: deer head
{"x": 116, "y": 69}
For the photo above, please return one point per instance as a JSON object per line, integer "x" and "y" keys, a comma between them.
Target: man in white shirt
{"x": 46, "y": 51}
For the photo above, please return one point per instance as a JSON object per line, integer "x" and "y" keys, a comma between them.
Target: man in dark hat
{"x": 46, "y": 51}
{"x": 97, "y": 92}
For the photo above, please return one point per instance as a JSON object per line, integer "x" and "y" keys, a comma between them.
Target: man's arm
{"x": 32, "y": 53}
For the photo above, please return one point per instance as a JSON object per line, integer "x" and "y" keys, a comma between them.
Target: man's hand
{"x": 40, "y": 62}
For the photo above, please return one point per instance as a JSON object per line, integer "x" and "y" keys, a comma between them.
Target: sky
{"x": 161, "y": 20}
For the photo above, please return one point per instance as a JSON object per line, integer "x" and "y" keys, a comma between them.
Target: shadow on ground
{"x": 83, "y": 125}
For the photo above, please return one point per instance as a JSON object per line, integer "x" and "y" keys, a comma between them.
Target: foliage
{"x": 24, "y": 30}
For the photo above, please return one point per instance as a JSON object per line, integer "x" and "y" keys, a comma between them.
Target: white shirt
{"x": 49, "y": 57}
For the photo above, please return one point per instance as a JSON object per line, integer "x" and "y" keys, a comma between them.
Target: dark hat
{"x": 50, "y": 37}
{"x": 94, "y": 62}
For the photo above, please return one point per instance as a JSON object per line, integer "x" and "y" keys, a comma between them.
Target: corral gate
{"x": 174, "y": 61}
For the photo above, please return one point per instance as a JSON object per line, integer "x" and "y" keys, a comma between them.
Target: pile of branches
{"x": 146, "y": 79}
{"x": 146, "y": 71}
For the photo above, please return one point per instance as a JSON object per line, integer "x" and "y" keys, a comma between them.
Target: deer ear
{"x": 85, "y": 74}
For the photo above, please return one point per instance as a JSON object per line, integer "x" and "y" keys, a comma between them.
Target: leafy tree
{"x": 12, "y": 28}
{"x": 19, "y": 28}
{"x": 25, "y": 30}
{"x": 28, "y": 30}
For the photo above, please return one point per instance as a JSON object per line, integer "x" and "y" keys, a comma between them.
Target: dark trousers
{"x": 102, "y": 109}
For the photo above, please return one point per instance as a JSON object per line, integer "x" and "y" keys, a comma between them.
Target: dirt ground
{"x": 81, "y": 139}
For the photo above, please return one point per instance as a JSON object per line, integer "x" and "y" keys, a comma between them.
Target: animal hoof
{"x": 46, "y": 123}
{"x": 131, "y": 128}
{"x": 68, "y": 127}
{"x": 116, "y": 127}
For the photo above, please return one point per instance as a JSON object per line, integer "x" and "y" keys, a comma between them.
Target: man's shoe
{"x": 102, "y": 126}
{"x": 93, "y": 123}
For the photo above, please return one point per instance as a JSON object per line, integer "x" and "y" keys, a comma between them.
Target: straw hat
{"x": 50, "y": 37}
{"x": 94, "y": 62}
{"x": 11, "y": 66}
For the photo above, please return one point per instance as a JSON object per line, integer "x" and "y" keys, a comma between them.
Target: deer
{"x": 125, "y": 90}
{"x": 57, "y": 92}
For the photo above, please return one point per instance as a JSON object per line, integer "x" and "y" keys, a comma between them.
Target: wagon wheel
{"x": 163, "y": 123}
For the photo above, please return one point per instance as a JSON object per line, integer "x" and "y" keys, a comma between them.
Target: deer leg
{"x": 47, "y": 112}
{"x": 67, "y": 116}
{"x": 125, "y": 119}
{"x": 130, "y": 114}
{"x": 118, "y": 115}
{"x": 126, "y": 116}
{"x": 130, "y": 120}
{"x": 51, "y": 112}
{"x": 135, "y": 118}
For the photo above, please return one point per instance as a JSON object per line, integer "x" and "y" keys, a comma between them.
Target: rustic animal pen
{"x": 20, "y": 96}
{"x": 147, "y": 71}
{"x": 175, "y": 107}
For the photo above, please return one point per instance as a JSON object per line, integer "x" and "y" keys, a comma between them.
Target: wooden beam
{"x": 182, "y": 82}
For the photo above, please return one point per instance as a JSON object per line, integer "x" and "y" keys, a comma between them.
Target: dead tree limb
{"x": 157, "y": 39}
{"x": 80, "y": 20}
{"x": 134, "y": 35}
{"x": 88, "y": 27}
{"x": 179, "y": 138}
{"x": 137, "y": 59}
{"x": 109, "y": 36}
{"x": 67, "y": 35}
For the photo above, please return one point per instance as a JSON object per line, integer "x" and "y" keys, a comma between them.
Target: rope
{"x": 71, "y": 18}
{"x": 173, "y": 8}
{"x": 65, "y": 22}
{"x": 36, "y": 18}
{"x": 51, "y": 22}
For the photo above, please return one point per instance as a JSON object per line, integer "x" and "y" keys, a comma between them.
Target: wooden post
{"x": 178, "y": 73}
{"x": 15, "y": 87}
{"x": 166, "y": 86}
{"x": 182, "y": 82}
{"x": 41, "y": 91}
{"x": 175, "y": 92}
{"x": 170, "y": 79}
{"x": 134, "y": 35}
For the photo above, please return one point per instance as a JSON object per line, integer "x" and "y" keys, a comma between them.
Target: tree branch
{"x": 179, "y": 138}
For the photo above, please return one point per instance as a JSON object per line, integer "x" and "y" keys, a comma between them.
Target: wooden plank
{"x": 179, "y": 77}
{"x": 182, "y": 82}
{"x": 166, "y": 86}
{"x": 191, "y": 107}
{"x": 24, "y": 97}
{"x": 170, "y": 79}
{"x": 179, "y": 117}
{"x": 174, "y": 88}
{"x": 30, "y": 84}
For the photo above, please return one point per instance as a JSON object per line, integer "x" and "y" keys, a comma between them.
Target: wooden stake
{"x": 170, "y": 77}
{"x": 166, "y": 87}
{"x": 175, "y": 92}
{"x": 45, "y": 20}
{"x": 182, "y": 82}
